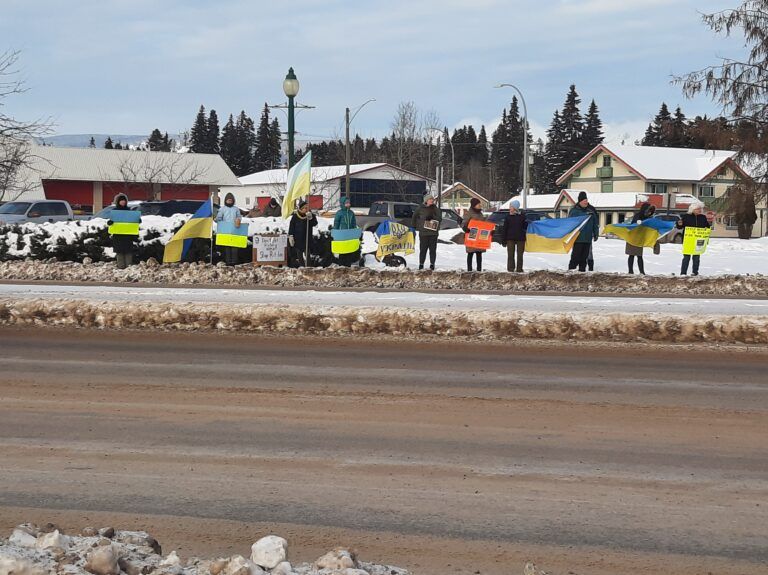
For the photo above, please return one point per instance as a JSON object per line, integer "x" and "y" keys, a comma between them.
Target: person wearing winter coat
{"x": 271, "y": 210}
{"x": 473, "y": 213}
{"x": 122, "y": 244}
{"x": 513, "y": 232}
{"x": 345, "y": 220}
{"x": 426, "y": 220}
{"x": 302, "y": 222}
{"x": 230, "y": 213}
{"x": 695, "y": 218}
{"x": 588, "y": 233}
{"x": 645, "y": 212}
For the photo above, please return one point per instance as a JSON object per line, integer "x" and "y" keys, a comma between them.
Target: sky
{"x": 126, "y": 67}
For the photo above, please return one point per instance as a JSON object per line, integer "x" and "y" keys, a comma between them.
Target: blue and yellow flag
{"x": 199, "y": 225}
{"x": 124, "y": 223}
{"x": 554, "y": 236}
{"x": 298, "y": 184}
{"x": 345, "y": 241}
{"x": 228, "y": 234}
{"x": 394, "y": 238}
{"x": 643, "y": 234}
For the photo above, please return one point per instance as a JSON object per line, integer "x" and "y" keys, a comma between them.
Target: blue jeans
{"x": 686, "y": 261}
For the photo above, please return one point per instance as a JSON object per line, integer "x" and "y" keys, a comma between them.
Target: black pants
{"x": 515, "y": 247}
{"x": 686, "y": 261}
{"x": 427, "y": 243}
{"x": 640, "y": 264}
{"x": 479, "y": 256}
{"x": 579, "y": 255}
{"x": 231, "y": 255}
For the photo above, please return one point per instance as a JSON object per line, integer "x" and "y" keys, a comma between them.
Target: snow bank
{"x": 345, "y": 278}
{"x": 398, "y": 322}
{"x": 114, "y": 552}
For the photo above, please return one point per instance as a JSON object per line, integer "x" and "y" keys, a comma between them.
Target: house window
{"x": 247, "y": 201}
{"x": 606, "y": 187}
{"x": 608, "y": 218}
{"x": 606, "y": 161}
{"x": 730, "y": 223}
{"x": 706, "y": 191}
{"x": 657, "y": 188}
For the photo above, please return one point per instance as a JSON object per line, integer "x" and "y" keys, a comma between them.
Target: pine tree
{"x": 261, "y": 159}
{"x": 155, "y": 141}
{"x": 228, "y": 146}
{"x": 658, "y": 132}
{"x": 593, "y": 129}
{"x": 500, "y": 157}
{"x": 212, "y": 134}
{"x": 678, "y": 130}
{"x": 481, "y": 153}
{"x": 119, "y": 146}
{"x": 555, "y": 157}
{"x": 108, "y": 145}
{"x": 199, "y": 133}
{"x": 275, "y": 148}
{"x": 167, "y": 144}
{"x": 92, "y": 143}
{"x": 573, "y": 147}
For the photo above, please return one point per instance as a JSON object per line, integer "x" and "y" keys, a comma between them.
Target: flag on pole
{"x": 643, "y": 234}
{"x": 298, "y": 184}
{"x": 554, "y": 236}
{"x": 199, "y": 225}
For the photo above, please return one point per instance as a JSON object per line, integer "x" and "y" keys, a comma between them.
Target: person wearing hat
{"x": 513, "y": 232}
{"x": 589, "y": 232}
{"x": 302, "y": 222}
{"x": 473, "y": 213}
{"x": 271, "y": 210}
{"x": 695, "y": 218}
{"x": 229, "y": 212}
{"x": 121, "y": 243}
{"x": 426, "y": 220}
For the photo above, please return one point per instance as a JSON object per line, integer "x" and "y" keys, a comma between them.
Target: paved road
{"x": 445, "y": 458}
{"x": 432, "y": 301}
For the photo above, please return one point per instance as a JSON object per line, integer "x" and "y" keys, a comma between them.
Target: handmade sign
{"x": 695, "y": 241}
{"x": 479, "y": 235}
{"x": 227, "y": 234}
{"x": 124, "y": 223}
{"x": 270, "y": 249}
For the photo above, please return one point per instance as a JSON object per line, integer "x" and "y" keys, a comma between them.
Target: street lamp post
{"x": 347, "y": 154}
{"x": 525, "y": 143}
{"x": 291, "y": 89}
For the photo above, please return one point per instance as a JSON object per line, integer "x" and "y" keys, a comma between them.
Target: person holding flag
{"x": 124, "y": 228}
{"x": 300, "y": 234}
{"x": 645, "y": 212}
{"x": 587, "y": 234}
{"x": 229, "y": 213}
{"x": 346, "y": 235}
{"x": 298, "y": 186}
{"x": 200, "y": 225}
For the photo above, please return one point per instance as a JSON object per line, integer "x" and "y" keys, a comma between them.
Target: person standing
{"x": 513, "y": 232}
{"x": 646, "y": 211}
{"x": 122, "y": 244}
{"x": 426, "y": 220}
{"x": 271, "y": 210}
{"x": 473, "y": 213}
{"x": 345, "y": 220}
{"x": 230, "y": 213}
{"x": 302, "y": 222}
{"x": 695, "y": 218}
{"x": 588, "y": 233}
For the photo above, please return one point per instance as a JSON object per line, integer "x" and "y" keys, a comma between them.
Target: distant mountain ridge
{"x": 84, "y": 140}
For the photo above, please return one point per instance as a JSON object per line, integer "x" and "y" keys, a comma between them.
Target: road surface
{"x": 443, "y": 458}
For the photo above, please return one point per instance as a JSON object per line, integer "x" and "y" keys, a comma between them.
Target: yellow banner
{"x": 345, "y": 246}
{"x": 124, "y": 229}
{"x": 695, "y": 241}
{"x": 391, "y": 244}
{"x": 232, "y": 240}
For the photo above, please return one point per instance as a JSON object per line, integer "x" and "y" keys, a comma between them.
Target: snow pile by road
{"x": 32, "y": 550}
{"x": 399, "y": 322}
{"x": 344, "y": 278}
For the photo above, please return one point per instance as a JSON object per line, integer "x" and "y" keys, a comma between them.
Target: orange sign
{"x": 479, "y": 235}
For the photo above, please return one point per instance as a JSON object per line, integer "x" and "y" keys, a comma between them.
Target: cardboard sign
{"x": 270, "y": 250}
{"x": 433, "y": 225}
{"x": 695, "y": 241}
{"x": 479, "y": 235}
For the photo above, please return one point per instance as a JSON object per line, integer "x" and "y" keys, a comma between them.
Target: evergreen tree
{"x": 212, "y": 134}
{"x": 572, "y": 144}
{"x": 658, "y": 132}
{"x": 108, "y": 145}
{"x": 261, "y": 159}
{"x": 593, "y": 129}
{"x": 555, "y": 158}
{"x": 167, "y": 144}
{"x": 92, "y": 143}
{"x": 678, "y": 130}
{"x": 119, "y": 146}
{"x": 228, "y": 146}
{"x": 155, "y": 142}
{"x": 246, "y": 143}
{"x": 198, "y": 137}
{"x": 275, "y": 148}
{"x": 481, "y": 153}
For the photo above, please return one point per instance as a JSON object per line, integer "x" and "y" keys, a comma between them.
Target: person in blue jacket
{"x": 229, "y": 212}
{"x": 588, "y": 233}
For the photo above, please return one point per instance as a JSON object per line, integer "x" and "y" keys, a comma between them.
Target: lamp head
{"x": 291, "y": 84}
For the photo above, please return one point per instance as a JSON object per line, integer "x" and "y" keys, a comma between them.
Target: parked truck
{"x": 37, "y": 211}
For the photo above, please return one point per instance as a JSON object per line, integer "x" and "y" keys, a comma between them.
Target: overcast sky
{"x": 126, "y": 67}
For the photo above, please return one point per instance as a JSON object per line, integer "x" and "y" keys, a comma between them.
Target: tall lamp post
{"x": 525, "y": 143}
{"x": 291, "y": 89}
{"x": 347, "y": 154}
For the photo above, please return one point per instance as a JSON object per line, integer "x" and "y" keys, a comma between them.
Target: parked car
{"x": 676, "y": 235}
{"x": 39, "y": 211}
{"x": 497, "y": 218}
{"x": 401, "y": 212}
{"x": 451, "y": 215}
{"x": 105, "y": 212}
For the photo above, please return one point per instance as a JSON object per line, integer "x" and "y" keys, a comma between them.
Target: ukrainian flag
{"x": 200, "y": 225}
{"x": 228, "y": 234}
{"x": 554, "y": 236}
{"x": 394, "y": 238}
{"x": 298, "y": 185}
{"x": 644, "y": 234}
{"x": 124, "y": 223}
{"x": 345, "y": 241}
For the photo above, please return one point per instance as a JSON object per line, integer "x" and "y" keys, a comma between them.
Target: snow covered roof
{"x": 319, "y": 174}
{"x": 100, "y": 165}
{"x": 459, "y": 186}
{"x": 534, "y": 202}
{"x": 665, "y": 164}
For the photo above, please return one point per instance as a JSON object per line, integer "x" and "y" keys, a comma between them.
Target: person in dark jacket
{"x": 122, "y": 244}
{"x": 695, "y": 218}
{"x": 645, "y": 212}
{"x": 473, "y": 213}
{"x": 302, "y": 222}
{"x": 588, "y": 233}
{"x": 513, "y": 232}
{"x": 426, "y": 220}
{"x": 271, "y": 210}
